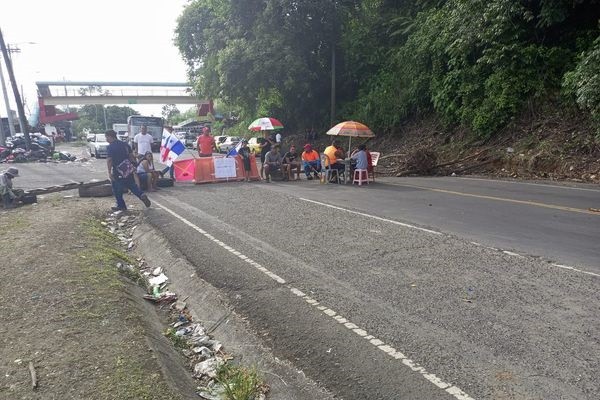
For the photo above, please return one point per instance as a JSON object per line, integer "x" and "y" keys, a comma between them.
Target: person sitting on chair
{"x": 311, "y": 162}
{"x": 273, "y": 163}
{"x": 360, "y": 156}
{"x": 291, "y": 162}
{"x": 335, "y": 155}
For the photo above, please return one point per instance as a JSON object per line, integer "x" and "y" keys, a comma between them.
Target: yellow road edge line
{"x": 480, "y": 196}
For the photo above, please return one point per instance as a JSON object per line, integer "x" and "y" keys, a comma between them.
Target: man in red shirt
{"x": 206, "y": 143}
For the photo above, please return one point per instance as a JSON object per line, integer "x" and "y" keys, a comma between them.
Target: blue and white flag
{"x": 171, "y": 148}
{"x": 235, "y": 150}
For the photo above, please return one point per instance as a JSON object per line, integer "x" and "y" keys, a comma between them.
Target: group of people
{"x": 132, "y": 169}
{"x": 291, "y": 163}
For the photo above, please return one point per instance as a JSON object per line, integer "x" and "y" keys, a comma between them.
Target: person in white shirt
{"x": 142, "y": 142}
{"x": 278, "y": 137}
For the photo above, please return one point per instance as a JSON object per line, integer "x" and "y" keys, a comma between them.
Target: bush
{"x": 583, "y": 82}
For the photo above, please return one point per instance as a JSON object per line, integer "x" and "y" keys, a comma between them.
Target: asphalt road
{"x": 384, "y": 296}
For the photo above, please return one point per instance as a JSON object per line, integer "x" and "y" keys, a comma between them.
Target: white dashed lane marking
{"x": 377, "y": 343}
{"x": 391, "y": 221}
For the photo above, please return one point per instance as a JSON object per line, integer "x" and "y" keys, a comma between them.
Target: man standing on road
{"x": 206, "y": 143}
{"x": 6, "y": 187}
{"x": 119, "y": 160}
{"x": 265, "y": 144}
{"x": 142, "y": 142}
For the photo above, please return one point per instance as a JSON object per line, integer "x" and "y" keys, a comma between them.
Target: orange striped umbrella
{"x": 351, "y": 129}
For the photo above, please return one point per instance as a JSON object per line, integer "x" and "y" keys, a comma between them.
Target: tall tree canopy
{"x": 473, "y": 62}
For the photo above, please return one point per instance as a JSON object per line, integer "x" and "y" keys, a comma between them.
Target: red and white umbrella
{"x": 265, "y": 124}
{"x": 351, "y": 129}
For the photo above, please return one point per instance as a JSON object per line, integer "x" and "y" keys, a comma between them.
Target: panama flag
{"x": 234, "y": 151}
{"x": 171, "y": 147}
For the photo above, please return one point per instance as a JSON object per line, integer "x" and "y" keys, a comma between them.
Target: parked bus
{"x": 155, "y": 127}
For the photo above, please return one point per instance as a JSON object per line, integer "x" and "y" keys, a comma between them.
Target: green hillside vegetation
{"x": 474, "y": 64}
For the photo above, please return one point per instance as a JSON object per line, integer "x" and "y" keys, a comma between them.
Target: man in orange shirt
{"x": 311, "y": 162}
{"x": 206, "y": 143}
{"x": 335, "y": 153}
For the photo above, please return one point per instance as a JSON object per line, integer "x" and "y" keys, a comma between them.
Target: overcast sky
{"x": 102, "y": 40}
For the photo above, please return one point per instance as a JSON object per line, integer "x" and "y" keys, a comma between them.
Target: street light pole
{"x": 13, "y": 83}
{"x": 11, "y": 122}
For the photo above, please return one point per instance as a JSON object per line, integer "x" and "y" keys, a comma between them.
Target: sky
{"x": 87, "y": 40}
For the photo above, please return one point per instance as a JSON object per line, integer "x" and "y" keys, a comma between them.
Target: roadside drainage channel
{"x": 214, "y": 332}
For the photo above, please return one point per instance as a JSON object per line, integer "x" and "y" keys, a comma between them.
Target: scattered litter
{"x": 18, "y": 361}
{"x": 167, "y": 297}
{"x": 203, "y": 352}
{"x": 208, "y": 367}
{"x": 178, "y": 305}
{"x": 594, "y": 209}
{"x": 158, "y": 280}
{"x": 33, "y": 375}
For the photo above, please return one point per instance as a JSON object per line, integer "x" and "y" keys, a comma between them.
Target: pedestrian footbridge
{"x": 54, "y": 93}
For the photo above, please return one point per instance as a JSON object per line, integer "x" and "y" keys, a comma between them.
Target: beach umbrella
{"x": 265, "y": 124}
{"x": 351, "y": 129}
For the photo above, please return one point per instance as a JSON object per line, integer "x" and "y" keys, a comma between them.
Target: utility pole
{"x": 332, "y": 116}
{"x": 13, "y": 83}
{"x": 11, "y": 121}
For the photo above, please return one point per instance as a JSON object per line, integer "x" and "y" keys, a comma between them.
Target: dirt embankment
{"x": 66, "y": 309}
{"x": 554, "y": 144}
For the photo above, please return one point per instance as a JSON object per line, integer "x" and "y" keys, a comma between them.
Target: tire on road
{"x": 96, "y": 191}
{"x": 29, "y": 199}
{"x": 164, "y": 182}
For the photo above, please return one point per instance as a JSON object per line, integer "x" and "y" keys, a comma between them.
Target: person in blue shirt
{"x": 120, "y": 163}
{"x": 360, "y": 156}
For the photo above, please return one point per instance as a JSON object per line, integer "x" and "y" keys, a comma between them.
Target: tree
{"x": 169, "y": 111}
{"x": 91, "y": 116}
{"x": 473, "y": 63}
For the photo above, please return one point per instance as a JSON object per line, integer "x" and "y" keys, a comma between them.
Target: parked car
{"x": 219, "y": 140}
{"x": 254, "y": 146}
{"x": 190, "y": 139}
{"x": 98, "y": 145}
{"x": 229, "y": 143}
{"x": 180, "y": 135}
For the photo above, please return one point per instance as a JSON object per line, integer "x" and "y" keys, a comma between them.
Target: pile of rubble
{"x": 205, "y": 355}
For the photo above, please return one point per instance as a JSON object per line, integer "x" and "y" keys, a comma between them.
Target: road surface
{"x": 413, "y": 288}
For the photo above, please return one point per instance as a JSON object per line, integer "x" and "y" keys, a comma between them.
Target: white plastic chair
{"x": 327, "y": 171}
{"x": 374, "y": 159}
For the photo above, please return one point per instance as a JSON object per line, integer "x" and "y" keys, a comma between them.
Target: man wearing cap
{"x": 206, "y": 143}
{"x": 120, "y": 160}
{"x": 311, "y": 162}
{"x": 6, "y": 187}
